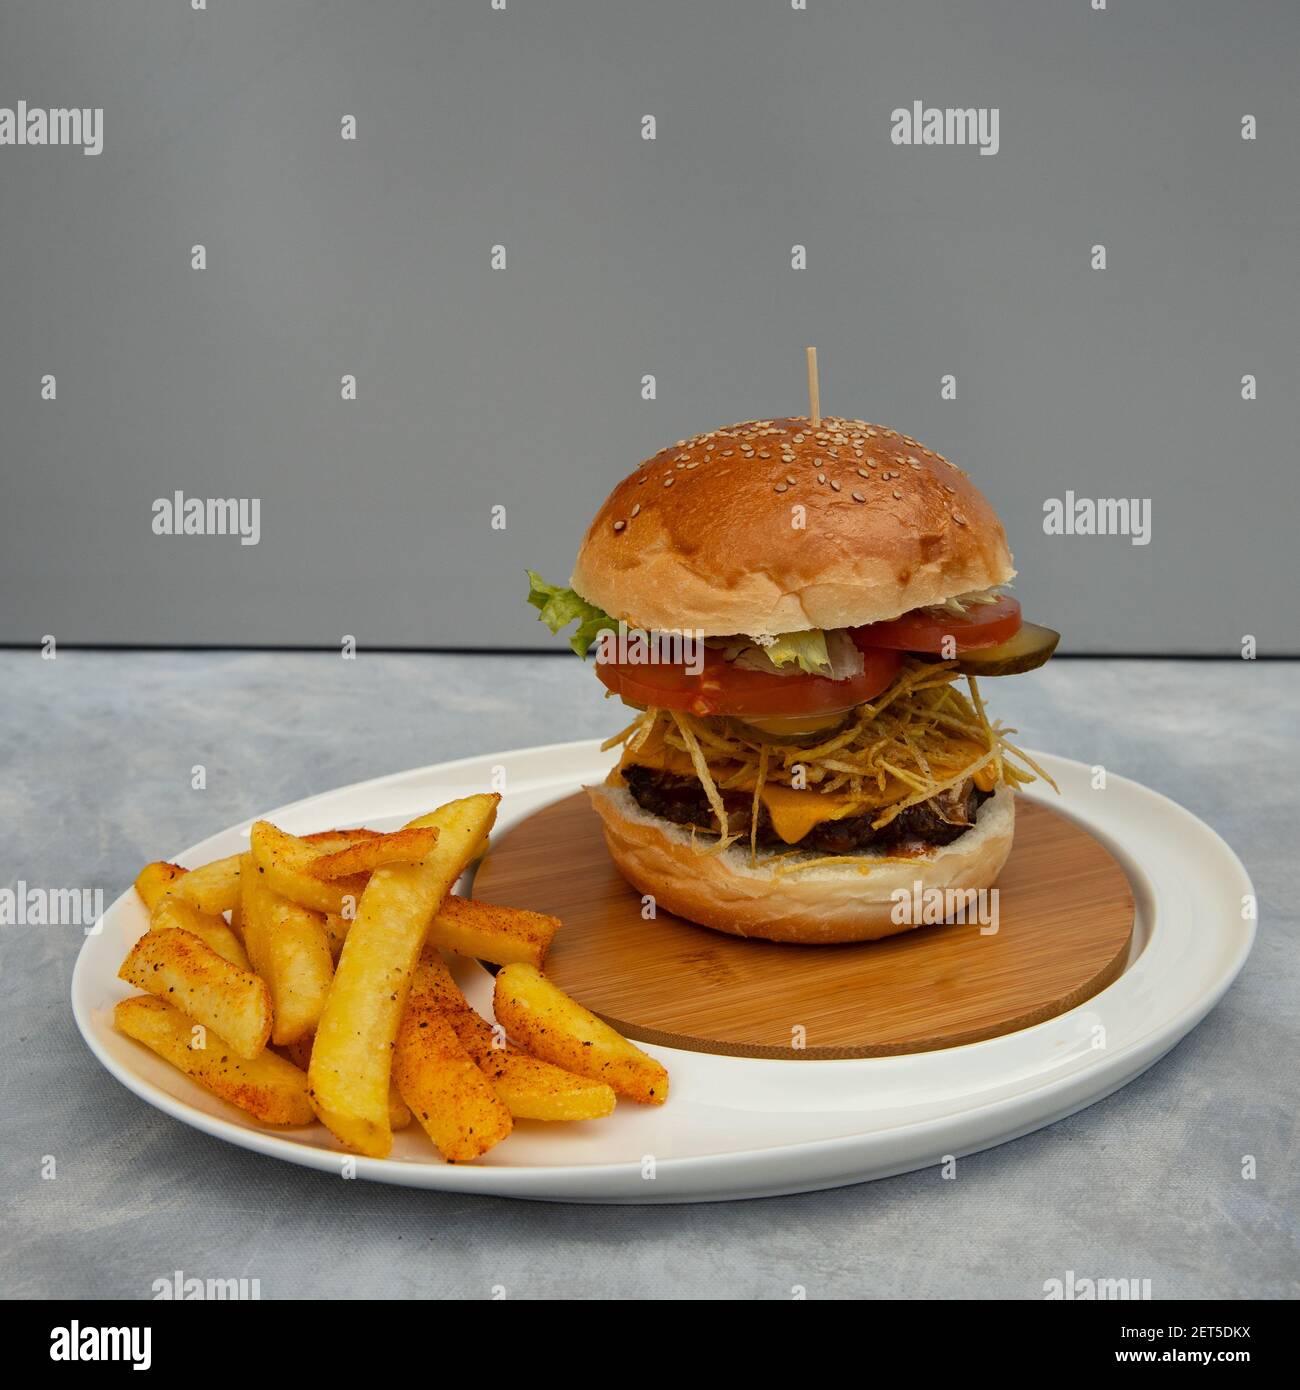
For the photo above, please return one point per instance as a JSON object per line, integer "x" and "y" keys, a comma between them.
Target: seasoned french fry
{"x": 399, "y": 1113}
{"x": 213, "y": 888}
{"x": 483, "y": 931}
{"x": 488, "y": 931}
{"x": 174, "y": 913}
{"x": 327, "y": 841}
{"x": 185, "y": 971}
{"x": 351, "y": 1059}
{"x": 153, "y": 881}
{"x": 407, "y": 846}
{"x": 266, "y": 1086}
{"x": 290, "y": 951}
{"x": 448, "y": 1094}
{"x": 528, "y": 1087}
{"x": 545, "y": 1021}
{"x": 284, "y": 863}
{"x": 299, "y": 1053}
{"x": 237, "y": 913}
{"x": 336, "y": 932}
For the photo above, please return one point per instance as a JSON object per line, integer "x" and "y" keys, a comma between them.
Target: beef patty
{"x": 939, "y": 821}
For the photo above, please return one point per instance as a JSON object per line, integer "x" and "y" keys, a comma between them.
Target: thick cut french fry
{"x": 174, "y": 913}
{"x": 237, "y": 913}
{"x": 483, "y": 931}
{"x": 336, "y": 932}
{"x": 153, "y": 881}
{"x": 528, "y": 1087}
{"x": 327, "y": 841}
{"x": 212, "y": 888}
{"x": 299, "y": 1053}
{"x": 352, "y": 1057}
{"x": 186, "y": 972}
{"x": 488, "y": 931}
{"x": 268, "y": 1087}
{"x": 284, "y": 864}
{"x": 407, "y": 846}
{"x": 448, "y": 1094}
{"x": 545, "y": 1021}
{"x": 290, "y": 951}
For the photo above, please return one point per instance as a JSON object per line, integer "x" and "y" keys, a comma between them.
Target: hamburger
{"x": 799, "y": 612}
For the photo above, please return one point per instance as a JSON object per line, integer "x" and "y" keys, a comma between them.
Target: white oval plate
{"x": 740, "y": 1127}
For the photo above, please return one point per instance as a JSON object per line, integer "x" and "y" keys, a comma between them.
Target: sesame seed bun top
{"x": 775, "y": 526}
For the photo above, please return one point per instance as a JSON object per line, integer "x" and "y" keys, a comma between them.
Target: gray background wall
{"x": 625, "y": 257}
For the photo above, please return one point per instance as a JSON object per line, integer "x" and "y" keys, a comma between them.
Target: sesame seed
{"x": 821, "y": 477}
{"x": 914, "y": 462}
{"x": 763, "y": 454}
{"x": 695, "y": 463}
{"x": 898, "y": 496}
{"x": 858, "y": 497}
{"x": 835, "y": 487}
{"x": 668, "y": 482}
{"x": 780, "y": 487}
{"x": 789, "y": 477}
{"x": 636, "y": 509}
{"x": 620, "y": 525}
{"x": 862, "y": 473}
{"x": 959, "y": 519}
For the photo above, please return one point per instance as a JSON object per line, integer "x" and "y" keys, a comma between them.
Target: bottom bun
{"x": 815, "y": 906}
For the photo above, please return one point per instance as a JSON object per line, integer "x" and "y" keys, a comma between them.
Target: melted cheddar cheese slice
{"x": 793, "y": 813}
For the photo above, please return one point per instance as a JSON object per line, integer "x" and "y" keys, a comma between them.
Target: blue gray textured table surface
{"x": 97, "y": 751}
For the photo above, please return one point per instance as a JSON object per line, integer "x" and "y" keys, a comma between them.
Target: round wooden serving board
{"x": 1065, "y": 920}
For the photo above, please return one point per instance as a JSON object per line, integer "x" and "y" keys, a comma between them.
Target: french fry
{"x": 448, "y": 1094}
{"x": 528, "y": 1087}
{"x": 153, "y": 881}
{"x": 299, "y": 1053}
{"x": 488, "y": 931}
{"x": 407, "y": 846}
{"x": 351, "y": 1060}
{"x": 237, "y": 913}
{"x": 327, "y": 841}
{"x": 268, "y": 1087}
{"x": 213, "y": 888}
{"x": 290, "y": 951}
{"x": 483, "y": 931}
{"x": 546, "y": 1022}
{"x": 284, "y": 863}
{"x": 174, "y": 913}
{"x": 336, "y": 933}
{"x": 184, "y": 971}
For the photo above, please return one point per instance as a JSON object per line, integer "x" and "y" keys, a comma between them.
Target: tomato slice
{"x": 722, "y": 688}
{"x": 984, "y": 625}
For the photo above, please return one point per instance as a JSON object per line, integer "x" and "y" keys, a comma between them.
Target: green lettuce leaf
{"x": 557, "y": 608}
{"x": 805, "y": 649}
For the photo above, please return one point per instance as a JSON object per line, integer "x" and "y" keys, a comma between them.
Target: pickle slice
{"x": 1029, "y": 649}
{"x": 796, "y": 729}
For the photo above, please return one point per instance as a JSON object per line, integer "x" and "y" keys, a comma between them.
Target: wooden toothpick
{"x": 814, "y": 390}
